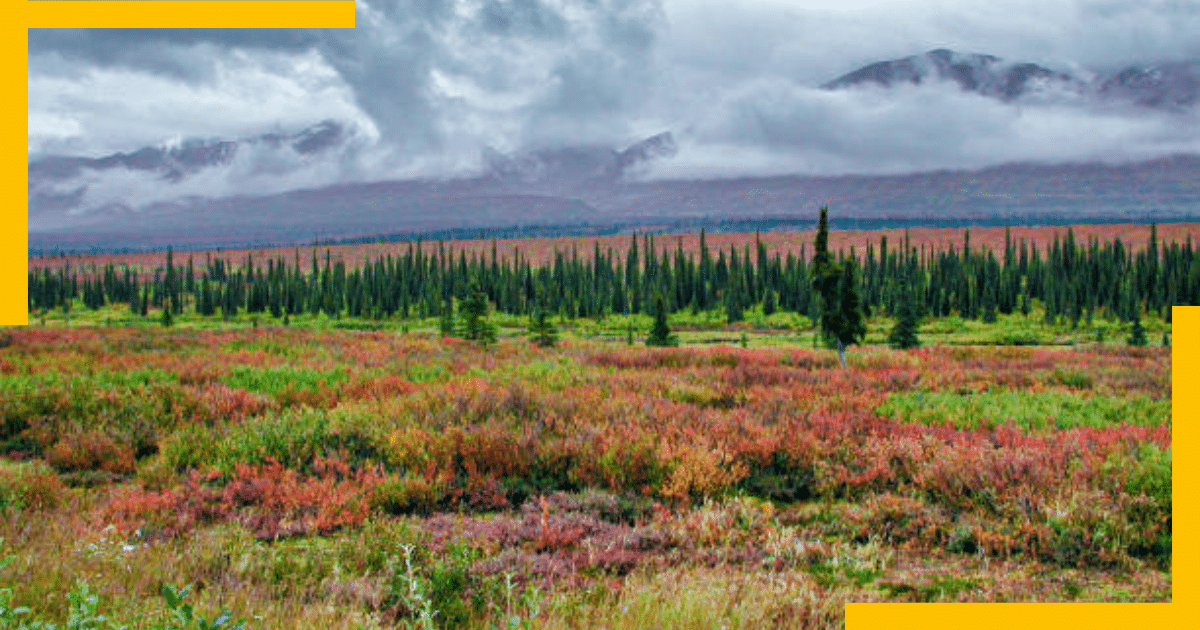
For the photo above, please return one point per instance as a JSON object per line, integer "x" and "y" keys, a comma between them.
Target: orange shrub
{"x": 91, "y": 450}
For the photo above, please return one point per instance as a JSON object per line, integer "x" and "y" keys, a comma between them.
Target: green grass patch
{"x": 1028, "y": 411}
{"x": 553, "y": 374}
{"x": 1147, "y": 471}
{"x": 426, "y": 373}
{"x": 941, "y": 587}
{"x": 829, "y": 575}
{"x": 274, "y": 381}
{"x": 18, "y": 384}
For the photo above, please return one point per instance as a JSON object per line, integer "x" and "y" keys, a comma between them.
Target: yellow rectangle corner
{"x": 191, "y": 14}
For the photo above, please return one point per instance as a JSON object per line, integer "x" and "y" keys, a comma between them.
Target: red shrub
{"x": 378, "y": 388}
{"x": 223, "y": 403}
{"x": 92, "y": 450}
{"x": 271, "y": 501}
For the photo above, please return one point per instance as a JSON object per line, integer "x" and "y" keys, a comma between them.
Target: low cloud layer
{"x": 430, "y": 83}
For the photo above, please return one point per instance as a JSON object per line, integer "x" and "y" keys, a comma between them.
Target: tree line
{"x": 1072, "y": 281}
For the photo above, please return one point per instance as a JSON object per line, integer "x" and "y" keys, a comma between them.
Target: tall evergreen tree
{"x": 446, "y": 318}
{"x": 849, "y": 327}
{"x": 733, "y": 306}
{"x": 768, "y": 302}
{"x": 837, "y": 288}
{"x": 824, "y": 275}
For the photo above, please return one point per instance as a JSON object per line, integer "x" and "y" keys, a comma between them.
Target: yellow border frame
{"x": 340, "y": 14}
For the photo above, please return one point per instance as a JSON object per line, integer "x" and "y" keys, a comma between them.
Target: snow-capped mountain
{"x": 984, "y": 74}
{"x": 1165, "y": 86}
{"x": 1172, "y": 85}
{"x": 638, "y": 157}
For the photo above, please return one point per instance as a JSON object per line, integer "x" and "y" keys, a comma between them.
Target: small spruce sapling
{"x": 1137, "y": 334}
{"x": 660, "y": 332}
{"x": 904, "y": 333}
{"x": 541, "y": 330}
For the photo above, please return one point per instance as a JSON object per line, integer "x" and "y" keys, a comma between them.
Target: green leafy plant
{"x": 84, "y": 611}
{"x": 184, "y": 617}
{"x": 10, "y": 617}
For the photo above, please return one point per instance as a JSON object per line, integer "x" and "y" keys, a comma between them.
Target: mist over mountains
{"x": 1174, "y": 85}
{"x": 316, "y": 183}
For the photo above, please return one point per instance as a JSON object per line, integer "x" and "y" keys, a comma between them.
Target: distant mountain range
{"x": 1164, "y": 189}
{"x": 601, "y": 185}
{"x": 174, "y": 163}
{"x": 1164, "y": 85}
{"x": 577, "y": 165}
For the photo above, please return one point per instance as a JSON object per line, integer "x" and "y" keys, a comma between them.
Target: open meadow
{"x": 440, "y": 440}
{"x": 307, "y": 476}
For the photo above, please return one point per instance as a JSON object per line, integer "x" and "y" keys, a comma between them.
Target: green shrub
{"x": 279, "y": 382}
{"x": 1147, "y": 473}
{"x": 1025, "y": 410}
{"x": 191, "y": 446}
{"x": 29, "y": 485}
{"x": 406, "y": 495}
{"x": 1077, "y": 379}
{"x": 293, "y": 438}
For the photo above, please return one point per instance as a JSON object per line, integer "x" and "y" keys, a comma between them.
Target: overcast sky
{"x": 429, "y": 83}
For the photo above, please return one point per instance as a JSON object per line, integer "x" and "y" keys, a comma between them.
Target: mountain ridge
{"x": 1167, "y": 85}
{"x": 1163, "y": 188}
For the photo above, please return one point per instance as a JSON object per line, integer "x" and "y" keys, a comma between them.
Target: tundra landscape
{"x": 600, "y": 314}
{"x": 334, "y": 440}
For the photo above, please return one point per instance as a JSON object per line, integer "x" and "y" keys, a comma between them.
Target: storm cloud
{"x": 429, "y": 84}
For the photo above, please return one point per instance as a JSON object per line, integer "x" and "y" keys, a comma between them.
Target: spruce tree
{"x": 837, "y": 287}
{"x": 825, "y": 275}
{"x": 541, "y": 330}
{"x": 769, "y": 302}
{"x": 989, "y": 309}
{"x": 660, "y": 332}
{"x": 167, "y": 318}
{"x": 904, "y": 333}
{"x": 849, "y": 327}
{"x": 733, "y": 307}
{"x": 1137, "y": 334}
{"x": 446, "y": 318}
{"x": 476, "y": 327}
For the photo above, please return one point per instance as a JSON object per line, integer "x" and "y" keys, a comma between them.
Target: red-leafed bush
{"x": 91, "y": 450}
{"x": 271, "y": 501}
